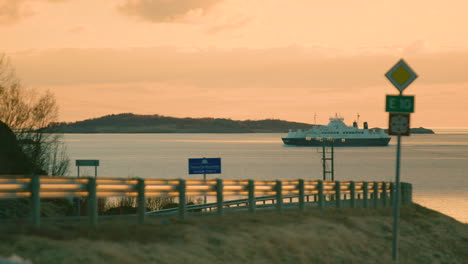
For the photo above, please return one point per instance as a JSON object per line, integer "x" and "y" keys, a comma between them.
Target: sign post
{"x": 84, "y": 163}
{"x": 87, "y": 163}
{"x": 399, "y": 106}
{"x": 205, "y": 166}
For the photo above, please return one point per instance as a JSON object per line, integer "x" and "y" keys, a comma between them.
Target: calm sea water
{"x": 436, "y": 165}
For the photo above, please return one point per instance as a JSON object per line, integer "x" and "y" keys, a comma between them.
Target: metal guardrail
{"x": 36, "y": 187}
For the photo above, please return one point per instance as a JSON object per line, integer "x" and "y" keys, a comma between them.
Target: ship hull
{"x": 349, "y": 142}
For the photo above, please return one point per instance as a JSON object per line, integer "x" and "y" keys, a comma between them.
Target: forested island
{"x": 419, "y": 130}
{"x": 132, "y": 123}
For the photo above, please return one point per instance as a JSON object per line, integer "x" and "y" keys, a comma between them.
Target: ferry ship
{"x": 338, "y": 134}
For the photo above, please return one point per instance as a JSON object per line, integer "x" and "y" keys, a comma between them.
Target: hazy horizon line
{"x": 234, "y": 119}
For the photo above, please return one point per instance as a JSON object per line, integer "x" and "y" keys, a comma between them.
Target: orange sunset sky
{"x": 241, "y": 59}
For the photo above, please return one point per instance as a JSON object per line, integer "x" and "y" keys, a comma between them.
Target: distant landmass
{"x": 132, "y": 123}
{"x": 419, "y": 130}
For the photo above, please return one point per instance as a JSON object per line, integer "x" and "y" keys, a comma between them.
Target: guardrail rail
{"x": 292, "y": 193}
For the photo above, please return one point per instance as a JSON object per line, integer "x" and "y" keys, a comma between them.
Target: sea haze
{"x": 436, "y": 165}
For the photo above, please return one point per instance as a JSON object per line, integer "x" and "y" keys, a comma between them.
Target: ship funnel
{"x": 366, "y": 126}
{"x": 355, "y": 124}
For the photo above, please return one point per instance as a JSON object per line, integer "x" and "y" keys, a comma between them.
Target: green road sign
{"x": 399, "y": 104}
{"x": 87, "y": 163}
{"x": 401, "y": 75}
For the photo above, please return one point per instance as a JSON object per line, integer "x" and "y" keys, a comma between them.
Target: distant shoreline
{"x": 184, "y": 132}
{"x": 129, "y": 123}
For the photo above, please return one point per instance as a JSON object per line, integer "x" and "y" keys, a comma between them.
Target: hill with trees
{"x": 132, "y": 123}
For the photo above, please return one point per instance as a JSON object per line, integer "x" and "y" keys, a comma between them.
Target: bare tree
{"x": 30, "y": 116}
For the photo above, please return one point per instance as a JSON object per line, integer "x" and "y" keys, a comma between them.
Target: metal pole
{"x": 219, "y": 196}
{"x": 35, "y": 200}
{"x": 332, "y": 160}
{"x": 78, "y": 199}
{"x": 365, "y": 194}
{"x": 252, "y": 202}
{"x": 301, "y": 194}
{"x": 338, "y": 194}
{"x": 352, "y": 187}
{"x": 396, "y": 202}
{"x": 384, "y": 193}
{"x": 92, "y": 202}
{"x": 95, "y": 171}
{"x": 321, "y": 197}
{"x": 279, "y": 196}
{"x": 324, "y": 161}
{"x": 204, "y": 178}
{"x": 141, "y": 201}
{"x": 182, "y": 199}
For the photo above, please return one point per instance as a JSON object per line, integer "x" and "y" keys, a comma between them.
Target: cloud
{"x": 77, "y": 30}
{"x": 159, "y": 11}
{"x": 231, "y": 23}
{"x": 13, "y": 11}
{"x": 285, "y": 67}
{"x": 289, "y": 82}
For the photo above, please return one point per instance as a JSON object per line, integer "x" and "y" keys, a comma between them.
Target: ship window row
{"x": 330, "y": 132}
{"x": 353, "y": 132}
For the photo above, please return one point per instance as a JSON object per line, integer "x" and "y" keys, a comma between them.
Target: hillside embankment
{"x": 313, "y": 236}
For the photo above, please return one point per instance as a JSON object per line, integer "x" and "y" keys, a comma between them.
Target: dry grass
{"x": 331, "y": 236}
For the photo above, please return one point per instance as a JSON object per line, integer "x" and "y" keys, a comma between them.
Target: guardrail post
{"x": 352, "y": 187}
{"x": 402, "y": 193}
{"x": 181, "y": 190}
{"x": 376, "y": 194}
{"x": 365, "y": 188}
{"x": 279, "y": 196}
{"x": 409, "y": 193}
{"x": 384, "y": 194}
{"x": 338, "y": 194}
{"x": 321, "y": 197}
{"x": 219, "y": 196}
{"x": 35, "y": 200}
{"x": 252, "y": 202}
{"x": 92, "y": 202}
{"x": 301, "y": 194}
{"x": 392, "y": 193}
{"x": 141, "y": 201}
{"x": 406, "y": 193}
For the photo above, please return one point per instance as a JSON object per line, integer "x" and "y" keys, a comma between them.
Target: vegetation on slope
{"x": 329, "y": 236}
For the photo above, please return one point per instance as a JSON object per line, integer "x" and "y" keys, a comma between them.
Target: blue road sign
{"x": 205, "y": 166}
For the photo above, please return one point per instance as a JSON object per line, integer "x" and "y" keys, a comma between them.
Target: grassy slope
{"x": 332, "y": 236}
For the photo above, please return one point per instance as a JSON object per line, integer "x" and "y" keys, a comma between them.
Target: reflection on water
{"x": 451, "y": 130}
{"x": 450, "y": 204}
{"x": 219, "y": 141}
{"x": 433, "y": 163}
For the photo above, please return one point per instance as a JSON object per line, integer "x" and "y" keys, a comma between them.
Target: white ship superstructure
{"x": 339, "y": 133}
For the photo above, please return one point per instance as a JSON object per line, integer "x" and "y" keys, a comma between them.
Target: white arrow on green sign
{"x": 399, "y": 104}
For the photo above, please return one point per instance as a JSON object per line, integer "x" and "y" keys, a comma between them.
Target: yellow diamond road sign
{"x": 401, "y": 75}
